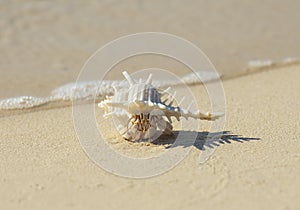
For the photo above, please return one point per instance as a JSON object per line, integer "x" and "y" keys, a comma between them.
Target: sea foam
{"x": 94, "y": 90}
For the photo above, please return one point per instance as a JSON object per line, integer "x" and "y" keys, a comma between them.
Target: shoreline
{"x": 54, "y": 104}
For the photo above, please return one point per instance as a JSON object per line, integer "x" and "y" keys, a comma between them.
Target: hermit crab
{"x": 148, "y": 116}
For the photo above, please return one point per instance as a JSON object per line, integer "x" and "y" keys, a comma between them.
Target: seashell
{"x": 147, "y": 115}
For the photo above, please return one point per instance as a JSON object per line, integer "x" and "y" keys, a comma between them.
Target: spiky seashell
{"x": 147, "y": 115}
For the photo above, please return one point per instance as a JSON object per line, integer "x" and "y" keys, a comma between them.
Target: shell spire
{"x": 128, "y": 78}
{"x": 149, "y": 80}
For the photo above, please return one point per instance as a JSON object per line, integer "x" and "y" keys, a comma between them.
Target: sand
{"x": 44, "y": 167}
{"x": 44, "y": 44}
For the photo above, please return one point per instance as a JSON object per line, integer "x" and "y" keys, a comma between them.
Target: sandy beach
{"x": 45, "y": 167}
{"x": 256, "y": 163}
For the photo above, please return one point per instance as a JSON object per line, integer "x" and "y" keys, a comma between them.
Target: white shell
{"x": 145, "y": 112}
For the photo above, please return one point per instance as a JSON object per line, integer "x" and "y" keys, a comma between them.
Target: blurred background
{"x": 44, "y": 44}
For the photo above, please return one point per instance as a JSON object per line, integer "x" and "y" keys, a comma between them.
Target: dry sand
{"x": 44, "y": 167}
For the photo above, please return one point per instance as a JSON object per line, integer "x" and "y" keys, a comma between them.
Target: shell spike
{"x": 149, "y": 80}
{"x": 174, "y": 94}
{"x": 165, "y": 91}
{"x": 190, "y": 106}
{"x": 171, "y": 98}
{"x": 170, "y": 104}
{"x": 180, "y": 102}
{"x": 114, "y": 86}
{"x": 128, "y": 78}
{"x": 108, "y": 114}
